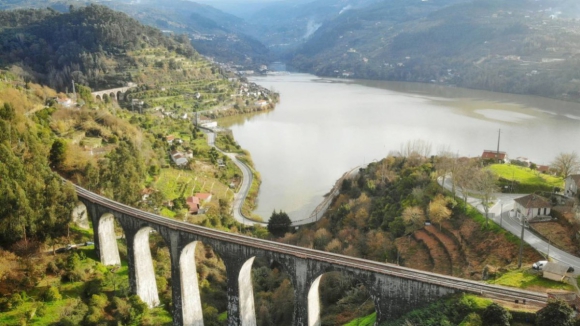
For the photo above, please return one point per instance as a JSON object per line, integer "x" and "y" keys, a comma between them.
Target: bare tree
{"x": 438, "y": 210}
{"x": 484, "y": 183}
{"x": 414, "y": 215}
{"x": 445, "y": 163}
{"x": 463, "y": 178}
{"x": 566, "y": 164}
{"x": 417, "y": 147}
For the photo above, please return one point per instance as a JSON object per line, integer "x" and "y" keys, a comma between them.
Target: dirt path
{"x": 441, "y": 259}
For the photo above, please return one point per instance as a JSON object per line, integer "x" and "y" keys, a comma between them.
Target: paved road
{"x": 512, "y": 224}
{"x": 247, "y": 177}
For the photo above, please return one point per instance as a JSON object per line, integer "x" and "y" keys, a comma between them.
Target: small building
{"x": 193, "y": 203}
{"x": 178, "y": 158}
{"x": 170, "y": 139}
{"x": 204, "y": 197}
{"x": 571, "y": 185}
{"x": 532, "y": 206}
{"x": 555, "y": 272}
{"x": 500, "y": 157}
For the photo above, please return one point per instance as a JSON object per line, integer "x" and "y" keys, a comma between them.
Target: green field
{"x": 524, "y": 280}
{"x": 525, "y": 180}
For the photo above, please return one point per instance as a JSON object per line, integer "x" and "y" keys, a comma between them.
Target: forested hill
{"x": 88, "y": 44}
{"x": 520, "y": 46}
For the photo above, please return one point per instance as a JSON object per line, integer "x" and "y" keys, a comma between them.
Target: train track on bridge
{"x": 488, "y": 290}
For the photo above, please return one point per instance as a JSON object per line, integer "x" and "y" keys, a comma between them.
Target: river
{"x": 325, "y": 127}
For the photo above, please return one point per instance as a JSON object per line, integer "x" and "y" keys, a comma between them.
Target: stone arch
{"x": 98, "y": 97}
{"x": 113, "y": 96}
{"x": 191, "y": 300}
{"x": 120, "y": 95}
{"x": 108, "y": 248}
{"x": 248, "y": 293}
{"x": 314, "y": 307}
{"x": 80, "y": 216}
{"x": 146, "y": 286}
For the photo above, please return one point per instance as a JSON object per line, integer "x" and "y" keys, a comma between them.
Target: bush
{"x": 557, "y": 312}
{"x": 496, "y": 315}
{"x": 52, "y": 294}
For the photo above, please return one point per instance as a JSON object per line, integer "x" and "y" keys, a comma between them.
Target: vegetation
{"x": 557, "y": 312}
{"x": 524, "y": 179}
{"x": 279, "y": 223}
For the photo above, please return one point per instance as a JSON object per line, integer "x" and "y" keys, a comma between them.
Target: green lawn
{"x": 523, "y": 279}
{"x": 526, "y": 180}
{"x": 364, "y": 321}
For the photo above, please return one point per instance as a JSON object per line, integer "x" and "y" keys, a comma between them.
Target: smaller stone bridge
{"x": 113, "y": 93}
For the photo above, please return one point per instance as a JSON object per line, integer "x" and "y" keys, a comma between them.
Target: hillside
{"x": 213, "y": 33}
{"x": 526, "y": 47}
{"x": 89, "y": 44}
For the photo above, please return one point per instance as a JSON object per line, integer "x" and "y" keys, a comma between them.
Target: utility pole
{"x": 522, "y": 234}
{"x": 498, "y": 137}
{"x": 501, "y": 215}
{"x": 74, "y": 91}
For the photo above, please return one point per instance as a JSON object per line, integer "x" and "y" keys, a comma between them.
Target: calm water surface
{"x": 323, "y": 128}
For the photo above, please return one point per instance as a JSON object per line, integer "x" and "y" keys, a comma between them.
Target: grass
{"x": 527, "y": 180}
{"x": 364, "y": 321}
{"x": 524, "y": 280}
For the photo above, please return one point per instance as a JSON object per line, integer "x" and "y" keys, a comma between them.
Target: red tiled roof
{"x": 193, "y": 203}
{"x": 487, "y": 154}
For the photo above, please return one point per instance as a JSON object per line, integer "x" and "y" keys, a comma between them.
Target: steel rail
{"x": 331, "y": 258}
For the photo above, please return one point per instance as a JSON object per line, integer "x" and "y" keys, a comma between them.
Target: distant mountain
{"x": 518, "y": 46}
{"x": 213, "y": 33}
{"x": 89, "y": 44}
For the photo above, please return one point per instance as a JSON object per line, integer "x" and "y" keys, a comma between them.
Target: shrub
{"x": 52, "y": 294}
{"x": 496, "y": 315}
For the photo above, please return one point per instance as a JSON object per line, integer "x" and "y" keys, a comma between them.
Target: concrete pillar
{"x": 301, "y": 292}
{"x": 314, "y": 303}
{"x": 146, "y": 286}
{"x": 190, "y": 300}
{"x": 246, "y": 292}
{"x": 109, "y": 251}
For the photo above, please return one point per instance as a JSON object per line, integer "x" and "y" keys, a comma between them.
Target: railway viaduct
{"x": 394, "y": 289}
{"x": 113, "y": 93}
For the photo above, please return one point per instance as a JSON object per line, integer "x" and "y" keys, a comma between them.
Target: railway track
{"x": 493, "y": 291}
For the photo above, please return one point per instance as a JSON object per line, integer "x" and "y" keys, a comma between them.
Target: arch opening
{"x": 119, "y": 95}
{"x": 98, "y": 97}
{"x": 112, "y": 96}
{"x": 273, "y": 293}
{"x": 108, "y": 235}
{"x": 336, "y": 298}
{"x": 80, "y": 216}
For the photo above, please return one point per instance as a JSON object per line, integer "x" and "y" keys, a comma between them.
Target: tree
{"x": 279, "y": 223}
{"x": 566, "y": 164}
{"x": 58, "y": 153}
{"x": 496, "y": 315}
{"x": 438, "y": 210}
{"x": 557, "y": 312}
{"x": 414, "y": 215}
{"x": 463, "y": 178}
{"x": 484, "y": 183}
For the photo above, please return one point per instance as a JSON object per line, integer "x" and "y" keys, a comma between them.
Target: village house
{"x": 65, "y": 102}
{"x": 178, "y": 158}
{"x": 555, "y": 272}
{"x": 193, "y": 203}
{"x": 500, "y": 157}
{"x": 170, "y": 139}
{"x": 532, "y": 206}
{"x": 571, "y": 185}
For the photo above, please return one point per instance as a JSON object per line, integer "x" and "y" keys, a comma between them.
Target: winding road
{"x": 501, "y": 215}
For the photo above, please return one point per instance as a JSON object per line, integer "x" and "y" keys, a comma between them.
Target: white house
{"x": 571, "y": 185}
{"x": 178, "y": 158}
{"x": 531, "y": 206}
